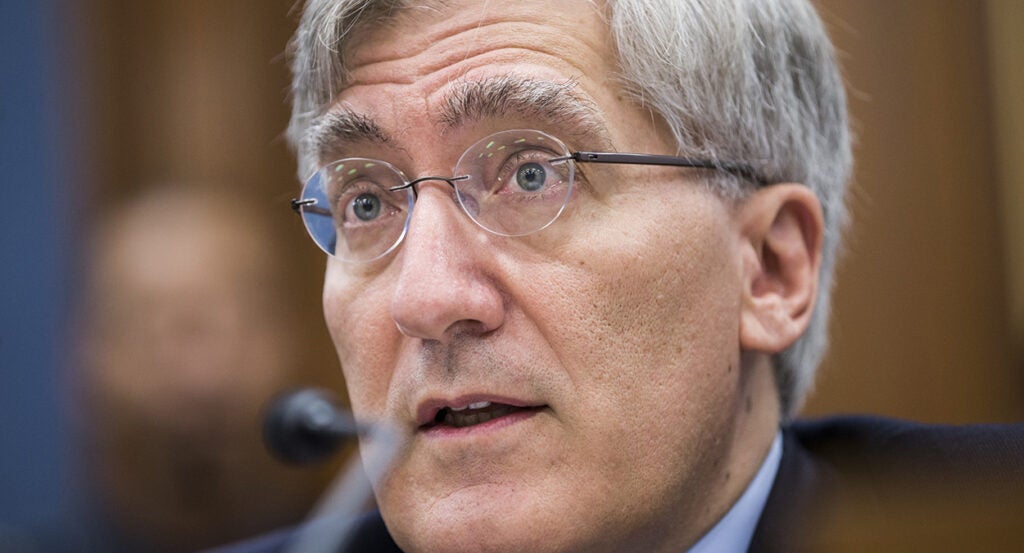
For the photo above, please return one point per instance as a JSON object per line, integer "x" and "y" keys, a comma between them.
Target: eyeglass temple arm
{"x": 309, "y": 205}
{"x": 739, "y": 169}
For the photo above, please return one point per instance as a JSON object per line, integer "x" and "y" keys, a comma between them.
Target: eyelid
{"x": 361, "y": 186}
{"x": 387, "y": 209}
{"x": 507, "y": 170}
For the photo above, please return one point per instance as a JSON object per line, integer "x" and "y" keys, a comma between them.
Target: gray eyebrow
{"x": 553, "y": 103}
{"x": 337, "y": 128}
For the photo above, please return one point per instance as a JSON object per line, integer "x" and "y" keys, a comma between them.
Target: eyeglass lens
{"x": 358, "y": 209}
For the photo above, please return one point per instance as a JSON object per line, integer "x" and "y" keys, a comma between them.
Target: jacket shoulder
{"x": 859, "y": 483}
{"x": 876, "y": 446}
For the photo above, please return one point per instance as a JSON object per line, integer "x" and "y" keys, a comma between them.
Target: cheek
{"x": 364, "y": 337}
{"x": 651, "y": 318}
{"x": 654, "y": 285}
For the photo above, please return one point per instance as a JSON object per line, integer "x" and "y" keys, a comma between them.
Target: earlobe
{"x": 782, "y": 228}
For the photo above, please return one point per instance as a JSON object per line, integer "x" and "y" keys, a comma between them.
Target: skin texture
{"x": 639, "y": 325}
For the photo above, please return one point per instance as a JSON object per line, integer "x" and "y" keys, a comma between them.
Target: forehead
{"x": 445, "y": 67}
{"x": 454, "y": 32}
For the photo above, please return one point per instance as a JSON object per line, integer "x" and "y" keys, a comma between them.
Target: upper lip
{"x": 428, "y": 409}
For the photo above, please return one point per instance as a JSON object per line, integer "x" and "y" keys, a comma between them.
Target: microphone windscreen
{"x": 306, "y": 426}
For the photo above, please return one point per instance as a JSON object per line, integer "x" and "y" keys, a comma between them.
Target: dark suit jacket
{"x": 861, "y": 484}
{"x": 874, "y": 484}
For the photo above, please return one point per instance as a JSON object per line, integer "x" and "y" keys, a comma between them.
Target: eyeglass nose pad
{"x": 469, "y": 204}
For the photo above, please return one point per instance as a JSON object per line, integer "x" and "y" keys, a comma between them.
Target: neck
{"x": 757, "y": 418}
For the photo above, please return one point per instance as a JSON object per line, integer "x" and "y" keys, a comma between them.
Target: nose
{"x": 446, "y": 284}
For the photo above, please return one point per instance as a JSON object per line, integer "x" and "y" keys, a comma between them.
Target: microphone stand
{"x": 307, "y": 425}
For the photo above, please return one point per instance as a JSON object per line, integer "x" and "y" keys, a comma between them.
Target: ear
{"x": 781, "y": 227}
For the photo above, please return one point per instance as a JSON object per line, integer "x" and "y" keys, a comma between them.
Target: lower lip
{"x": 443, "y": 431}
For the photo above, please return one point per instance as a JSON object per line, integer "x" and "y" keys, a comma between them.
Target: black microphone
{"x": 306, "y": 426}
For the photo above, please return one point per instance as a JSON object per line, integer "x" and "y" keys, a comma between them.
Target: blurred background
{"x": 157, "y": 291}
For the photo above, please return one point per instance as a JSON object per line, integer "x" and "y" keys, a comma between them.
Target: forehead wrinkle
{"x": 429, "y": 50}
{"x": 556, "y": 103}
{"x": 336, "y": 129}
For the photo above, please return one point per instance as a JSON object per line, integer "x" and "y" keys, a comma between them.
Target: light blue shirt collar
{"x": 733, "y": 533}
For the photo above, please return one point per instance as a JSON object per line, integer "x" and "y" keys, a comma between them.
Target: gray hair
{"x": 748, "y": 80}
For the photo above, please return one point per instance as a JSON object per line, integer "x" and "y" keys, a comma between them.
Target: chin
{"x": 499, "y": 523}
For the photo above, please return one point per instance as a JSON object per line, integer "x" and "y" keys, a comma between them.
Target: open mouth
{"x": 474, "y": 414}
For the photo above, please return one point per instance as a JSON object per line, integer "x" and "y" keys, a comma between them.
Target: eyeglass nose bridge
{"x": 459, "y": 197}
{"x": 412, "y": 184}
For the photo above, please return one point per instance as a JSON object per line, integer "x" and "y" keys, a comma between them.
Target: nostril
{"x": 469, "y": 328}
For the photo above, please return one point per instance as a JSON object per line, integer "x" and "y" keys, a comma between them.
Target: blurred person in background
{"x": 186, "y": 332}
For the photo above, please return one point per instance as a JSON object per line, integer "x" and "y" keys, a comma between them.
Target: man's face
{"x": 606, "y": 344}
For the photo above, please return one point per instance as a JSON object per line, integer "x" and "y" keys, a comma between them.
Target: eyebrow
{"x": 552, "y": 103}
{"x": 344, "y": 126}
{"x": 557, "y": 104}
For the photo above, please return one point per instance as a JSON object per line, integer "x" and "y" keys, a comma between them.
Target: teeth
{"x": 477, "y": 405}
{"x": 460, "y": 420}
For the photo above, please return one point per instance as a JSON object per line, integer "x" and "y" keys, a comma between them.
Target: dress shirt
{"x": 732, "y": 534}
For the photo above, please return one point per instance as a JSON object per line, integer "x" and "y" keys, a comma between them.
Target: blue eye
{"x": 531, "y": 177}
{"x": 366, "y": 207}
